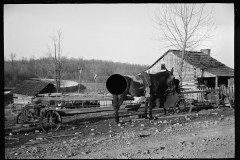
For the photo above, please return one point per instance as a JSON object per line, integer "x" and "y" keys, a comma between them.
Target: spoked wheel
{"x": 50, "y": 121}
{"x": 181, "y": 106}
{"x": 28, "y": 114}
{"x": 20, "y": 119}
{"x": 171, "y": 111}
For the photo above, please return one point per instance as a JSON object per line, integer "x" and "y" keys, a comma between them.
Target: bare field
{"x": 205, "y": 134}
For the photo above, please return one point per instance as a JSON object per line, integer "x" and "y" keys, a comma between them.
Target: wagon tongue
{"x": 116, "y": 84}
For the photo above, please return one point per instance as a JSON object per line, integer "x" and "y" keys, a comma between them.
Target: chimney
{"x": 205, "y": 51}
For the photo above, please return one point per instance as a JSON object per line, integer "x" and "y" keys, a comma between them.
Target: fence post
{"x": 200, "y": 95}
{"x": 202, "y": 98}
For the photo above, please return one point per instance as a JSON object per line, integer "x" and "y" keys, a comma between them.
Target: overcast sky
{"x": 115, "y": 32}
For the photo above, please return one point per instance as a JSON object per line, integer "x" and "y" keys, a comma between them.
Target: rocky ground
{"x": 204, "y": 134}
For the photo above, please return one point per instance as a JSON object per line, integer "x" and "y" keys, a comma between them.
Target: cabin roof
{"x": 202, "y": 61}
{"x": 30, "y": 87}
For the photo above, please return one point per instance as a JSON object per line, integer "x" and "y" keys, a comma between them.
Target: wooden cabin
{"x": 24, "y": 92}
{"x": 198, "y": 66}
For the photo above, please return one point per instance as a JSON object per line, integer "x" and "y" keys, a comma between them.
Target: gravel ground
{"x": 205, "y": 134}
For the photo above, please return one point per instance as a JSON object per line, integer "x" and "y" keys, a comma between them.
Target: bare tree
{"x": 54, "y": 64}
{"x": 185, "y": 27}
{"x": 12, "y": 57}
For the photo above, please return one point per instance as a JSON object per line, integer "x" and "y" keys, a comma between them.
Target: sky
{"x": 113, "y": 32}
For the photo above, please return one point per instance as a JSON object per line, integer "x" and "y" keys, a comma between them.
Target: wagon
{"x": 184, "y": 101}
{"x": 48, "y": 112}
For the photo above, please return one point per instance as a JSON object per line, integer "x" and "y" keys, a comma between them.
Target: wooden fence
{"x": 225, "y": 90}
{"x": 106, "y": 101}
{"x": 199, "y": 94}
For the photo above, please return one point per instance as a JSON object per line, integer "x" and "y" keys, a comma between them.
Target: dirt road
{"x": 206, "y": 134}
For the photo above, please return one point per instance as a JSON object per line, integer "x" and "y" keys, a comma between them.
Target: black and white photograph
{"x": 119, "y": 80}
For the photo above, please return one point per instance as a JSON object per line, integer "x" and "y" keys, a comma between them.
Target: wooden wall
{"x": 20, "y": 101}
{"x": 23, "y": 99}
{"x": 189, "y": 71}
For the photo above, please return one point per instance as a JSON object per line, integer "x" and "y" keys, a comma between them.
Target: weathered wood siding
{"x": 22, "y": 99}
{"x": 189, "y": 71}
{"x": 156, "y": 68}
{"x": 172, "y": 60}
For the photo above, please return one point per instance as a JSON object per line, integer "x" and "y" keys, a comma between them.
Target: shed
{"x": 65, "y": 85}
{"x": 24, "y": 92}
{"x": 198, "y": 66}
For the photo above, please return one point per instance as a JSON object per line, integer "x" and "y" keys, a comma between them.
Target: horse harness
{"x": 144, "y": 78}
{"x": 146, "y": 82}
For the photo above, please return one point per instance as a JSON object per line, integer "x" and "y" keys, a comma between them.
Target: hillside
{"x": 18, "y": 70}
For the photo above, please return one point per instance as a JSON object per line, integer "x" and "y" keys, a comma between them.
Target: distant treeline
{"x": 18, "y": 70}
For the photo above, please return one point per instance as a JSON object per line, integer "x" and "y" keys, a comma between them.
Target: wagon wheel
{"x": 50, "y": 121}
{"x": 19, "y": 119}
{"x": 28, "y": 114}
{"x": 171, "y": 110}
{"x": 32, "y": 113}
{"x": 181, "y": 106}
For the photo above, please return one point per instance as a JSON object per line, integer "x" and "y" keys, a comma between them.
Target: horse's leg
{"x": 120, "y": 100}
{"x": 150, "y": 107}
{"x": 162, "y": 105}
{"x": 165, "y": 110}
{"x": 116, "y": 107}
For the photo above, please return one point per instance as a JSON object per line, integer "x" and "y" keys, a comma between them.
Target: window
{"x": 163, "y": 67}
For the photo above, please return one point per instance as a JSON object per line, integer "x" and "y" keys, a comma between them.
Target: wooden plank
{"x": 75, "y": 98}
{"x": 88, "y": 110}
{"x": 22, "y": 96}
{"x": 123, "y": 108}
{"x": 105, "y": 103}
{"x": 16, "y": 102}
{"x": 93, "y": 110}
{"x": 22, "y": 100}
{"x": 197, "y": 91}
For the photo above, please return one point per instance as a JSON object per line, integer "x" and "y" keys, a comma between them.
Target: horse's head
{"x": 171, "y": 81}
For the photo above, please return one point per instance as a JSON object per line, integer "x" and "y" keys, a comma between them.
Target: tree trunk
{"x": 56, "y": 67}
{"x": 181, "y": 67}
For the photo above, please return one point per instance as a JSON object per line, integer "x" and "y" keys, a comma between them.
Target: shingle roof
{"x": 30, "y": 87}
{"x": 202, "y": 61}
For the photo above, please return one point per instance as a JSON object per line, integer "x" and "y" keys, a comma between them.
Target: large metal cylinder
{"x": 116, "y": 84}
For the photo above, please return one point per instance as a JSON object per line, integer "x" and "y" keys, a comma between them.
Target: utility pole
{"x": 95, "y": 78}
{"x": 80, "y": 72}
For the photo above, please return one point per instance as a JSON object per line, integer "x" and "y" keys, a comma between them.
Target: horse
{"x": 162, "y": 83}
